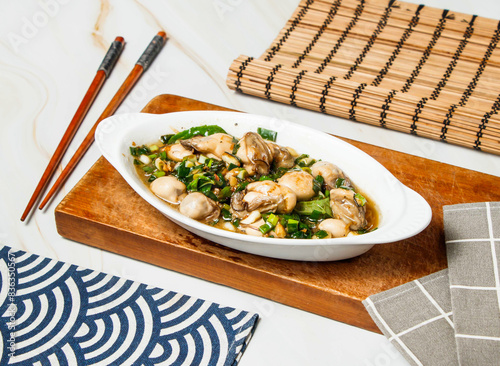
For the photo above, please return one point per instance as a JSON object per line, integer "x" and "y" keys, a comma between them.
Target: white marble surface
{"x": 49, "y": 52}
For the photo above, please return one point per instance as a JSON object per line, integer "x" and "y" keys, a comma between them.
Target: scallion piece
{"x": 267, "y": 134}
{"x": 272, "y": 219}
{"x": 360, "y": 199}
{"x": 321, "y": 234}
{"x": 165, "y": 138}
{"x": 159, "y": 173}
{"x": 196, "y": 131}
{"x": 226, "y": 215}
{"x": 225, "y": 193}
{"x": 183, "y": 170}
{"x": 315, "y": 215}
{"x": 265, "y": 228}
{"x": 307, "y": 207}
{"x": 292, "y": 226}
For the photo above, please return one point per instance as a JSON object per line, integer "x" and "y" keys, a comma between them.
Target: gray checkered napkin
{"x": 450, "y": 317}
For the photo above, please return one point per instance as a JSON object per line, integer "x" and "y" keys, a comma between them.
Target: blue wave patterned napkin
{"x": 68, "y": 315}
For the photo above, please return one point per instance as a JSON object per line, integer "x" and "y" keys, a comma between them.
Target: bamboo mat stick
{"x": 411, "y": 68}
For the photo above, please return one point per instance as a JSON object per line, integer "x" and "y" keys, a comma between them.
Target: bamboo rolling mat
{"x": 407, "y": 67}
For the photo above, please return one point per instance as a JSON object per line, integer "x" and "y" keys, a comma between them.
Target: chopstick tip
{"x": 162, "y": 34}
{"x": 120, "y": 39}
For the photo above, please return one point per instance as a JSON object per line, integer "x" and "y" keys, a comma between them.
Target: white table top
{"x": 49, "y": 53}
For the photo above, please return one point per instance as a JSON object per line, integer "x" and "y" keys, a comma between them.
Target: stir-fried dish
{"x": 252, "y": 185}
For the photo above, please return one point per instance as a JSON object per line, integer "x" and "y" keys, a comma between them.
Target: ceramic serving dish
{"x": 403, "y": 212}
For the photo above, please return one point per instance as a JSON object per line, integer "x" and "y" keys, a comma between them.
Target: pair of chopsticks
{"x": 107, "y": 65}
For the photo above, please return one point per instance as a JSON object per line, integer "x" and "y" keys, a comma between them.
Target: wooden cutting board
{"x": 104, "y": 212}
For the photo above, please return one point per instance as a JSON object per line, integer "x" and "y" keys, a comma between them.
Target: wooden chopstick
{"x": 102, "y": 74}
{"x": 141, "y": 65}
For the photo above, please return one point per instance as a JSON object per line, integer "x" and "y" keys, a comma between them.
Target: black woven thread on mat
{"x": 352, "y": 23}
{"x": 427, "y": 51}
{"x": 484, "y": 122}
{"x": 386, "y": 107}
{"x": 454, "y": 59}
{"x": 328, "y": 20}
{"x": 283, "y": 39}
{"x": 446, "y": 122}
{"x": 472, "y": 85}
{"x": 243, "y": 66}
{"x": 413, "y": 23}
{"x": 270, "y": 79}
{"x": 325, "y": 92}
{"x": 416, "y": 116}
{"x": 380, "y": 26}
{"x": 296, "y": 82}
{"x": 354, "y": 101}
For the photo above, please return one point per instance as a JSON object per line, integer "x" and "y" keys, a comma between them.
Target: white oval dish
{"x": 403, "y": 212}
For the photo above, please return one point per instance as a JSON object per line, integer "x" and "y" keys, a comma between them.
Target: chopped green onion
{"x": 273, "y": 219}
{"x": 183, "y": 170}
{"x": 196, "y": 131}
{"x": 265, "y": 228}
{"x": 148, "y": 169}
{"x": 236, "y": 146}
{"x": 318, "y": 183}
{"x": 292, "y": 226}
{"x": 267, "y": 134}
{"x": 360, "y": 199}
{"x": 321, "y": 234}
{"x": 153, "y": 148}
{"x": 193, "y": 186}
{"x": 139, "y": 150}
{"x": 153, "y": 156}
{"x": 225, "y": 193}
{"x": 226, "y": 215}
{"x": 144, "y": 159}
{"x": 339, "y": 183}
{"x": 242, "y": 174}
{"x": 163, "y": 155}
{"x": 307, "y": 207}
{"x": 205, "y": 188}
{"x": 202, "y": 159}
{"x": 159, "y": 173}
{"x": 211, "y": 195}
{"x": 316, "y": 215}
{"x": 165, "y": 138}
{"x": 301, "y": 235}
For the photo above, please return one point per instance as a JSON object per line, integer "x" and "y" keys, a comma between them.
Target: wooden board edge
{"x": 329, "y": 305}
